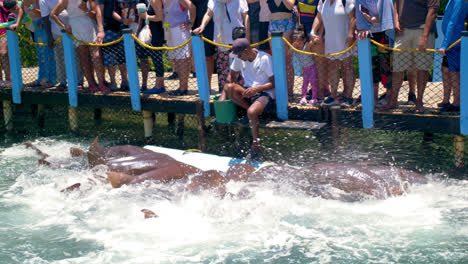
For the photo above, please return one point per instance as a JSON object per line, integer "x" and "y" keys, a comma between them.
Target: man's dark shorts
{"x": 452, "y": 60}
{"x": 264, "y": 99}
{"x": 113, "y": 54}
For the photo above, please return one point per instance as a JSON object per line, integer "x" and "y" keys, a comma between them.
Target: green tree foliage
{"x": 441, "y": 10}
{"x": 27, "y": 51}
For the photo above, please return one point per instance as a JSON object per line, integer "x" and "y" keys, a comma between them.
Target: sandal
{"x": 92, "y": 88}
{"x": 46, "y": 85}
{"x": 177, "y": 92}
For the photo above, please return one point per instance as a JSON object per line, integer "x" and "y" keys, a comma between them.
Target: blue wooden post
{"x": 279, "y": 69}
{"x": 464, "y": 84}
{"x": 367, "y": 87}
{"x": 199, "y": 57}
{"x": 70, "y": 68}
{"x": 437, "y": 73}
{"x": 132, "y": 69}
{"x": 15, "y": 66}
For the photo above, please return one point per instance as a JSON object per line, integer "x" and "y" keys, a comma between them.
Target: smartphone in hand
{"x": 364, "y": 9}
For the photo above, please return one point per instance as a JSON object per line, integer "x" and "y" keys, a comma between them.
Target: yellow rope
{"x": 230, "y": 46}
{"x": 97, "y": 45}
{"x": 411, "y": 50}
{"x": 317, "y": 54}
{"x": 260, "y": 43}
{"x": 1, "y": 36}
{"x": 160, "y": 48}
{"x": 36, "y": 43}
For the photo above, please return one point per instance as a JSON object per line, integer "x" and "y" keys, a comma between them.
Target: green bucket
{"x": 225, "y": 111}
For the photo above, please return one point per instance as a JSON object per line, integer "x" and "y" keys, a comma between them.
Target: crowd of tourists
{"x": 321, "y": 26}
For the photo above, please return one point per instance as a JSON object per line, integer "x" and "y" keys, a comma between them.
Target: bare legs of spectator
{"x": 4, "y": 62}
{"x": 412, "y": 77}
{"x": 333, "y": 76}
{"x": 182, "y": 67}
{"x": 321, "y": 64}
{"x": 423, "y": 77}
{"x": 392, "y": 101}
{"x": 96, "y": 58}
{"x": 349, "y": 76}
{"x": 451, "y": 83}
{"x": 87, "y": 67}
{"x": 112, "y": 71}
{"x": 144, "y": 65}
{"x": 210, "y": 68}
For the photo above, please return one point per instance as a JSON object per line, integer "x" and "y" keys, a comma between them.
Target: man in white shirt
{"x": 258, "y": 92}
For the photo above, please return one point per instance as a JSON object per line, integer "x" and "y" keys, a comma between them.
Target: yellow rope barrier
{"x": 4, "y": 34}
{"x": 97, "y": 45}
{"x": 317, "y": 54}
{"x": 411, "y": 50}
{"x": 160, "y": 48}
{"x": 230, "y": 46}
{"x": 36, "y": 43}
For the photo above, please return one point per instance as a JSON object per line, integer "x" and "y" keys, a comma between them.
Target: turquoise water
{"x": 98, "y": 224}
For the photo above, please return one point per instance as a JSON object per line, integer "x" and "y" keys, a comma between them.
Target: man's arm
{"x": 352, "y": 27}
{"x": 430, "y": 17}
{"x": 245, "y": 17}
{"x": 251, "y": 91}
{"x": 398, "y": 29}
{"x": 192, "y": 12}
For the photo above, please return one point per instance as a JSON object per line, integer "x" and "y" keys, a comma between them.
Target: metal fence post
{"x": 367, "y": 87}
{"x": 198, "y": 48}
{"x": 70, "y": 68}
{"x": 436, "y": 71}
{"x": 464, "y": 84}
{"x": 279, "y": 69}
{"x": 132, "y": 69}
{"x": 15, "y": 66}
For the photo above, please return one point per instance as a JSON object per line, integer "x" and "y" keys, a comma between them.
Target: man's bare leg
{"x": 254, "y": 111}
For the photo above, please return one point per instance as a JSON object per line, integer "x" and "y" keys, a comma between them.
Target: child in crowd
{"x": 308, "y": 66}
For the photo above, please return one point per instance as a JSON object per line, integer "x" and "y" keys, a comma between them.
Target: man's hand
{"x": 442, "y": 52}
{"x": 100, "y": 37}
{"x": 198, "y": 30}
{"x": 422, "y": 46}
{"x": 251, "y": 91}
{"x": 363, "y": 34}
{"x": 83, "y": 6}
{"x": 398, "y": 29}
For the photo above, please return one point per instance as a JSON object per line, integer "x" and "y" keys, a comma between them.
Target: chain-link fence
{"x": 417, "y": 81}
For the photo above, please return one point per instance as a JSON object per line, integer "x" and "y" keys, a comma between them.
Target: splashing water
{"x": 98, "y": 224}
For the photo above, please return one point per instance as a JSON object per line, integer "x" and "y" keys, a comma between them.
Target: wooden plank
{"x": 295, "y": 125}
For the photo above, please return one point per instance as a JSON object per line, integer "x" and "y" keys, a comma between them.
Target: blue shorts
{"x": 283, "y": 25}
{"x": 114, "y": 54}
{"x": 452, "y": 60}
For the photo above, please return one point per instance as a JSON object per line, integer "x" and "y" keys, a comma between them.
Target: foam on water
{"x": 99, "y": 224}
